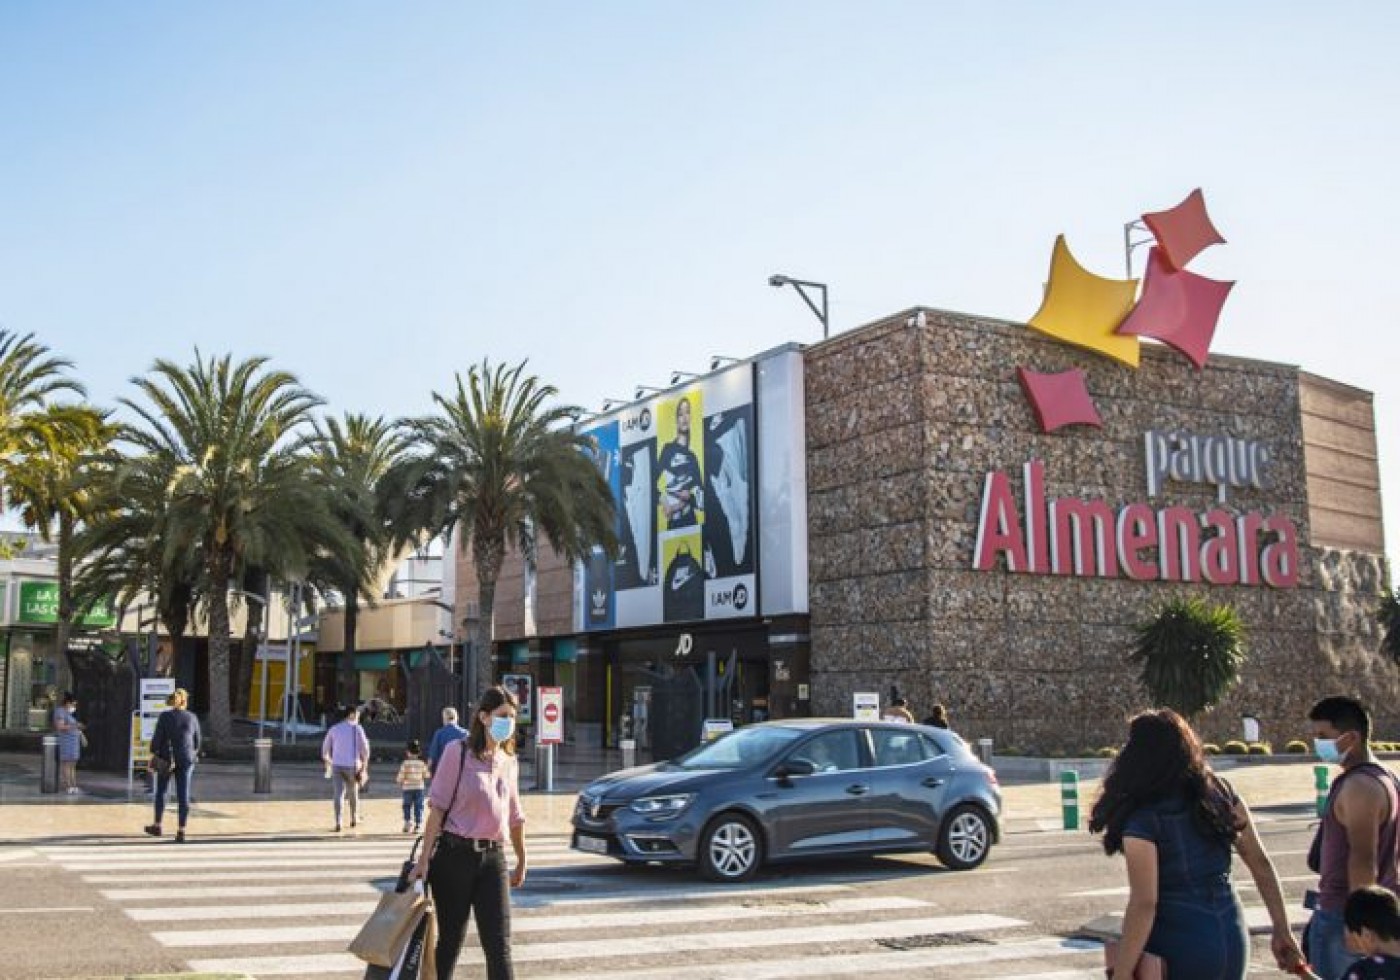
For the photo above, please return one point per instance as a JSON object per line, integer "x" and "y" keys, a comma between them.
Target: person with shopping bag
{"x": 475, "y": 806}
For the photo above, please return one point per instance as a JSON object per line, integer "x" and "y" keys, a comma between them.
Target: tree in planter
{"x": 1388, "y": 615}
{"x": 1190, "y": 654}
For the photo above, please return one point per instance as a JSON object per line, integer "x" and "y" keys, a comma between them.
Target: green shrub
{"x": 1055, "y": 754}
{"x": 1260, "y": 748}
{"x": 1189, "y": 654}
{"x": 1010, "y": 750}
{"x": 1297, "y": 746}
{"x": 1236, "y": 747}
{"x": 1107, "y": 752}
{"x": 1210, "y": 748}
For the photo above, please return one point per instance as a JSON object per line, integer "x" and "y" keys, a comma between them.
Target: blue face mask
{"x": 502, "y": 728}
{"x": 1327, "y": 751}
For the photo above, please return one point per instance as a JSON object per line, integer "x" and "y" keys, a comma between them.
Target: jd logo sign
{"x": 737, "y": 597}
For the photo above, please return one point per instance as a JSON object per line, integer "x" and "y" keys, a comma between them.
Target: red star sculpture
{"x": 1059, "y": 399}
{"x": 1178, "y": 308}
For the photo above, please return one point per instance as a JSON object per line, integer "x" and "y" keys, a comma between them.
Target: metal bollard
{"x": 1069, "y": 798}
{"x": 984, "y": 751}
{"x": 1320, "y": 774}
{"x": 262, "y": 765}
{"x": 629, "y": 752}
{"x": 48, "y": 769}
{"x": 544, "y": 767}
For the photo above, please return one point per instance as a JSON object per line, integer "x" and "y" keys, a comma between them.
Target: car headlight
{"x": 661, "y": 806}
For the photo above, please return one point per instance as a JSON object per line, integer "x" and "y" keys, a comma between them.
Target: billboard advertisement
{"x": 681, "y": 468}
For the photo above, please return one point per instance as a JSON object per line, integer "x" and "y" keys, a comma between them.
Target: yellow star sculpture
{"x": 1084, "y": 309}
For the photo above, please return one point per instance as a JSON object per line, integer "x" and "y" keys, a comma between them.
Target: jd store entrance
{"x": 662, "y": 685}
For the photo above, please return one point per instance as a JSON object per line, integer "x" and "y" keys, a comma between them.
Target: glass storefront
{"x": 32, "y": 678}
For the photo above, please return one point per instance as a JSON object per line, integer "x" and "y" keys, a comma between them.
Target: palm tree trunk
{"x": 349, "y": 693}
{"x": 64, "y": 627}
{"x": 489, "y": 555}
{"x": 220, "y": 719}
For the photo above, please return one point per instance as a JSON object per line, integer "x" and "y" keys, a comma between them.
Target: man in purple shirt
{"x": 345, "y": 752}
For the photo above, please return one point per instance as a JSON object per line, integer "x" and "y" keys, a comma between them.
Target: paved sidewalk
{"x": 299, "y": 805}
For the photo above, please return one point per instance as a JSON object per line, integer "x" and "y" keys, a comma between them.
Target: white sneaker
{"x": 73, "y": 791}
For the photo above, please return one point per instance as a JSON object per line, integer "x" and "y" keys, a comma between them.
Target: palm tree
{"x": 30, "y": 376}
{"x": 227, "y": 437}
{"x": 49, "y": 484}
{"x": 500, "y": 463}
{"x": 1191, "y": 654}
{"x": 123, "y": 544}
{"x": 350, "y": 458}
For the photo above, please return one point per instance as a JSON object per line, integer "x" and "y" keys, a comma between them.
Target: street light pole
{"x": 802, "y": 285}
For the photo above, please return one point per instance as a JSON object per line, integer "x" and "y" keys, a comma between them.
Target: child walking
{"x": 413, "y": 773}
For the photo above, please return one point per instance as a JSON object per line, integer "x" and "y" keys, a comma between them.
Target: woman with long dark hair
{"x": 475, "y": 806}
{"x": 1176, "y": 822}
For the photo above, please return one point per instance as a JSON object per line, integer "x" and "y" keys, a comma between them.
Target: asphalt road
{"x": 283, "y": 906}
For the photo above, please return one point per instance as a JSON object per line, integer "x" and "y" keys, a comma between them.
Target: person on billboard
{"x": 682, "y": 494}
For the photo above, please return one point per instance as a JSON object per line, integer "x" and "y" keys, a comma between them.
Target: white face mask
{"x": 502, "y": 728}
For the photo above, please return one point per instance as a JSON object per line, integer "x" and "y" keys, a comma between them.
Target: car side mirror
{"x": 796, "y": 767}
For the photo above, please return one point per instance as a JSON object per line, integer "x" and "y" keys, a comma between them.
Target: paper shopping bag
{"x": 418, "y": 961}
{"x": 384, "y": 935}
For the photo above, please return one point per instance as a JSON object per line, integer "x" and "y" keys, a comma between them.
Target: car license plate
{"x": 593, "y": 845}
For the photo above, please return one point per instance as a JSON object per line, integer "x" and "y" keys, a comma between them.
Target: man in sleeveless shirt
{"x": 1360, "y": 833}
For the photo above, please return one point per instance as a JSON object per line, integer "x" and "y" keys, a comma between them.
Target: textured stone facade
{"x": 903, "y": 424}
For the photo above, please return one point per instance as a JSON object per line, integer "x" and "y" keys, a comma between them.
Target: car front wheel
{"x": 730, "y": 849}
{"x": 965, "y": 839}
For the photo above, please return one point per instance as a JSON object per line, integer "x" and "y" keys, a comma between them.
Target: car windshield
{"x": 740, "y": 748}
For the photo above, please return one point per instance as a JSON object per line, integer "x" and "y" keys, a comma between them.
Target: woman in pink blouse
{"x": 475, "y": 804}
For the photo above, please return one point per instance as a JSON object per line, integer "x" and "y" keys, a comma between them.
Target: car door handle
{"x": 933, "y": 782}
{"x": 857, "y": 789}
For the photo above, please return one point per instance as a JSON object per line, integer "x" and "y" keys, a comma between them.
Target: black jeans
{"x": 463, "y": 881}
{"x": 182, "y": 775}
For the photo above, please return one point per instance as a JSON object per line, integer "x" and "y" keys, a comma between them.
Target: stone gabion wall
{"x": 903, "y": 424}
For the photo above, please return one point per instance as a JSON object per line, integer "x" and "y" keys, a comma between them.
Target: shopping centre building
{"x": 886, "y": 509}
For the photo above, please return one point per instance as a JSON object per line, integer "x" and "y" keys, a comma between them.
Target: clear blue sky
{"x": 377, "y": 194}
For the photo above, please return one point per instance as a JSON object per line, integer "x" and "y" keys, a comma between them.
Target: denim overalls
{"x": 1199, "y": 928}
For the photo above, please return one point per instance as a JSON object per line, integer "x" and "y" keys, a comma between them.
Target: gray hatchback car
{"x": 795, "y": 789}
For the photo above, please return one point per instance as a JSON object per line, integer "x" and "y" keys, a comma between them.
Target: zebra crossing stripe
{"x": 906, "y": 962}
{"x": 527, "y": 900}
{"x": 911, "y": 962}
{"x": 538, "y": 922}
{"x": 388, "y": 864}
{"x": 234, "y": 891}
{"x": 241, "y": 849}
{"x": 611, "y": 947}
{"x": 289, "y": 910}
{"x": 151, "y": 877}
{"x": 362, "y": 907}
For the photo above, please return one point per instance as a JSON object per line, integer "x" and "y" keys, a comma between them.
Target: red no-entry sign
{"x": 551, "y": 728}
